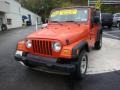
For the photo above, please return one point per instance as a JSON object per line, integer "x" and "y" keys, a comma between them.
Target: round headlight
{"x": 56, "y": 46}
{"x": 28, "y": 43}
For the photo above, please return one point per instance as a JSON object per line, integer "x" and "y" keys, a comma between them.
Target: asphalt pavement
{"x": 13, "y": 76}
{"x": 113, "y": 33}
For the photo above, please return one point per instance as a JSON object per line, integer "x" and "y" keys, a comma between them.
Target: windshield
{"x": 77, "y": 15}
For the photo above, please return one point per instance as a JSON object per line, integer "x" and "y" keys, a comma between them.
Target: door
{"x": 1, "y": 21}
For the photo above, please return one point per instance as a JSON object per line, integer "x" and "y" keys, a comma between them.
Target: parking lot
{"x": 103, "y": 72}
{"x": 114, "y": 33}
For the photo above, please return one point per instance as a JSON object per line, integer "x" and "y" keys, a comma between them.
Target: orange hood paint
{"x": 61, "y": 32}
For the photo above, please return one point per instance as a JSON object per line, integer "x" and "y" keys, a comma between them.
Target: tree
{"x": 43, "y": 7}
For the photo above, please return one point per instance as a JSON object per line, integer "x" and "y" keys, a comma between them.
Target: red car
{"x": 63, "y": 45}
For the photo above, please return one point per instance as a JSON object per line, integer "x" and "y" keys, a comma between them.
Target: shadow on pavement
{"x": 104, "y": 81}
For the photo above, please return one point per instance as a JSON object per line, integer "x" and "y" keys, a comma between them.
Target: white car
{"x": 116, "y": 19}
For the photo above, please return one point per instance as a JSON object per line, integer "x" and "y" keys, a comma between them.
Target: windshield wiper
{"x": 57, "y": 22}
{"x": 74, "y": 22}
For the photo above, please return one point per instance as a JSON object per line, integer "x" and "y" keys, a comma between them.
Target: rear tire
{"x": 98, "y": 43}
{"x": 81, "y": 66}
{"x": 110, "y": 26}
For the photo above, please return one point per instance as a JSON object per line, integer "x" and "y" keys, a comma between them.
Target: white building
{"x": 14, "y": 15}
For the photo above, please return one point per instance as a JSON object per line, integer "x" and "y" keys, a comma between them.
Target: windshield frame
{"x": 69, "y": 9}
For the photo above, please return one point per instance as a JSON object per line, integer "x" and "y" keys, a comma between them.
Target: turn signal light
{"x": 20, "y": 46}
{"x": 66, "y": 52}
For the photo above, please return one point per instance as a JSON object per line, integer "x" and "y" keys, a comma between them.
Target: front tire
{"x": 81, "y": 67}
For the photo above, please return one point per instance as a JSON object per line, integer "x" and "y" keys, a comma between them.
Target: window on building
{"x": 9, "y": 21}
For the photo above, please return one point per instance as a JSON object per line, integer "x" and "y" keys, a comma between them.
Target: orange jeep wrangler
{"x": 63, "y": 44}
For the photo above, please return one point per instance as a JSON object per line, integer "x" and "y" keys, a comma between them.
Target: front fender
{"x": 77, "y": 49}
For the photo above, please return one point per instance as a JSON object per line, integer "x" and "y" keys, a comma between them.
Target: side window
{"x": 117, "y": 15}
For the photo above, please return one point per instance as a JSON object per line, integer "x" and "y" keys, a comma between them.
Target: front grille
{"x": 42, "y": 47}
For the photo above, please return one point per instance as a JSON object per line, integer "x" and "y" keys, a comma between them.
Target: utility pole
{"x": 88, "y": 2}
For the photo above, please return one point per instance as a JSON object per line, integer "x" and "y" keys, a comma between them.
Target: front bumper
{"x": 50, "y": 63}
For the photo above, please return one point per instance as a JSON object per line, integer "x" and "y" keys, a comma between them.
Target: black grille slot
{"x": 42, "y": 47}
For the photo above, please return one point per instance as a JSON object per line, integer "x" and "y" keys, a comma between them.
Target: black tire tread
{"x": 78, "y": 74}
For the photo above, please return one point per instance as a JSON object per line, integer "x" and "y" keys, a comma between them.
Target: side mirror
{"x": 96, "y": 19}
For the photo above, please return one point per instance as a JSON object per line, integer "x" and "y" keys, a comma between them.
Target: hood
{"x": 61, "y": 32}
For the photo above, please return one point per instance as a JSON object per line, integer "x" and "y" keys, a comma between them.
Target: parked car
{"x": 116, "y": 19}
{"x": 107, "y": 19}
{"x": 63, "y": 45}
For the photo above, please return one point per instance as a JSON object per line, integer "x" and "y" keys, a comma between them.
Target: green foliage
{"x": 43, "y": 7}
{"x": 111, "y": 8}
